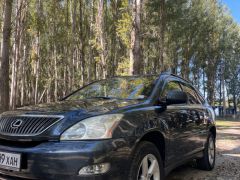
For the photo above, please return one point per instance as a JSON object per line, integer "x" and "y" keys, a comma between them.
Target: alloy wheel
{"x": 149, "y": 168}
{"x": 211, "y": 151}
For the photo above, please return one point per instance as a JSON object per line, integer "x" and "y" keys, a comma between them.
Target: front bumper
{"x": 63, "y": 160}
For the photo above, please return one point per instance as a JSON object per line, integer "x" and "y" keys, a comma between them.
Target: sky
{"x": 234, "y": 7}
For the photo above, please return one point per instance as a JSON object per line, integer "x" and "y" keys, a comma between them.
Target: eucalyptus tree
{"x": 4, "y": 67}
{"x": 136, "y": 63}
{"x": 57, "y": 46}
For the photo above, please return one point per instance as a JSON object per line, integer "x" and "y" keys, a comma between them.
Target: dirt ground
{"x": 227, "y": 160}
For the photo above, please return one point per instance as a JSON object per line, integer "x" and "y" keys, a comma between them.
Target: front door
{"x": 179, "y": 126}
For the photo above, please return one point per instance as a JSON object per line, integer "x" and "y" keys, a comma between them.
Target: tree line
{"x": 50, "y": 48}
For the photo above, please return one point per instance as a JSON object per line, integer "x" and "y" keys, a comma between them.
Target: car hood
{"x": 87, "y": 106}
{"x": 69, "y": 112}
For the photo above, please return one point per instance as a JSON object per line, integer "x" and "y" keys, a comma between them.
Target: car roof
{"x": 132, "y": 76}
{"x": 156, "y": 75}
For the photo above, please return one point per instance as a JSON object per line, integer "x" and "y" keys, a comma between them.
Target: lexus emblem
{"x": 17, "y": 123}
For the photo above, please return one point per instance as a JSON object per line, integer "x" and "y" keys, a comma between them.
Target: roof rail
{"x": 181, "y": 78}
{"x": 175, "y": 75}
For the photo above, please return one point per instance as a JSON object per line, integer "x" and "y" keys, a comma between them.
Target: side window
{"x": 192, "y": 96}
{"x": 172, "y": 85}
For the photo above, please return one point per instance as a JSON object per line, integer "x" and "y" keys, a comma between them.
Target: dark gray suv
{"x": 136, "y": 127}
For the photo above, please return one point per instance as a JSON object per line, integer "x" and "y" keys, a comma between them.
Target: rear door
{"x": 196, "y": 117}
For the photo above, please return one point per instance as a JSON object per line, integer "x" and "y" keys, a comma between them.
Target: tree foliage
{"x": 57, "y": 46}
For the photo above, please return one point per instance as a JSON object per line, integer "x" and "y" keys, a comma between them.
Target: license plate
{"x": 10, "y": 161}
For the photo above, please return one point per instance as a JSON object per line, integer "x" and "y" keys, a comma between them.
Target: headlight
{"x": 98, "y": 127}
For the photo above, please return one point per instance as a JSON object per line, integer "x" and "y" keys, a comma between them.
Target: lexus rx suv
{"x": 126, "y": 128}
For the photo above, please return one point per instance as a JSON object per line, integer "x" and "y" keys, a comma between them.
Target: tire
{"x": 146, "y": 155}
{"x": 207, "y": 162}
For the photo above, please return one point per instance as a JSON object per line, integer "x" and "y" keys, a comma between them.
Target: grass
{"x": 223, "y": 123}
{"x": 228, "y": 123}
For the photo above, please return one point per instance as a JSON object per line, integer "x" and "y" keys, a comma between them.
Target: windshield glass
{"x": 120, "y": 87}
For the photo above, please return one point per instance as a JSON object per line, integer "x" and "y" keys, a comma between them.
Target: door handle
{"x": 190, "y": 120}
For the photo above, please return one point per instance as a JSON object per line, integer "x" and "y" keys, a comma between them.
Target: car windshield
{"x": 119, "y": 87}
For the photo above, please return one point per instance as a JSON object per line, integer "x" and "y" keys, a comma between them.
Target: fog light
{"x": 95, "y": 169}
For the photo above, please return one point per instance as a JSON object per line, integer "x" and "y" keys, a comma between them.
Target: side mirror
{"x": 176, "y": 97}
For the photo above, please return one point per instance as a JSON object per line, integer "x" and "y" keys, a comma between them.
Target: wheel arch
{"x": 158, "y": 139}
{"x": 213, "y": 131}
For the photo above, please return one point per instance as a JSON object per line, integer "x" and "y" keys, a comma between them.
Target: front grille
{"x": 27, "y": 125}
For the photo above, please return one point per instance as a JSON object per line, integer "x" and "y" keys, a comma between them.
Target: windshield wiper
{"x": 100, "y": 97}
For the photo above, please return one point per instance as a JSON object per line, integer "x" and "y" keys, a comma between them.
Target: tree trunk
{"x": 37, "y": 68}
{"x": 223, "y": 92}
{"x": 73, "y": 41}
{"x": 18, "y": 38}
{"x": 15, "y": 58}
{"x": 23, "y": 74}
{"x": 82, "y": 43}
{"x": 210, "y": 83}
{"x": 136, "y": 63}
{"x": 234, "y": 103}
{"x": 161, "y": 38}
{"x": 101, "y": 38}
{"x": 37, "y": 63}
{"x": 4, "y": 73}
{"x": 55, "y": 74}
{"x": 113, "y": 59}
